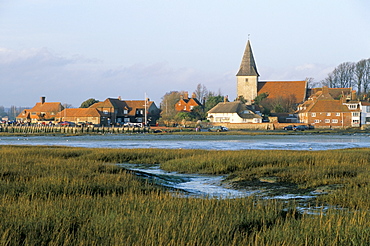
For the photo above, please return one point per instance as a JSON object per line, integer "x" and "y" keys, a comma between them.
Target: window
{"x": 352, "y": 106}
{"x": 246, "y": 80}
{"x": 125, "y": 111}
{"x": 337, "y": 114}
{"x": 105, "y": 111}
{"x": 327, "y": 121}
{"x": 355, "y": 114}
{"x": 191, "y": 107}
{"x": 317, "y": 121}
{"x": 328, "y": 114}
{"x": 334, "y": 121}
{"x": 184, "y": 107}
{"x": 313, "y": 114}
{"x": 367, "y": 109}
{"x": 126, "y": 120}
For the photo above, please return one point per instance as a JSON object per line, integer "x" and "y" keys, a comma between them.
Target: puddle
{"x": 210, "y": 186}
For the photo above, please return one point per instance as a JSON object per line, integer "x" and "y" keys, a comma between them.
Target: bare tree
{"x": 359, "y": 72}
{"x": 329, "y": 81}
{"x": 311, "y": 83}
{"x": 201, "y": 93}
{"x": 341, "y": 77}
{"x": 366, "y": 77}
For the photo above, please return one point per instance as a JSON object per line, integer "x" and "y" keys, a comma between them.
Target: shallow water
{"x": 211, "y": 186}
{"x": 219, "y": 142}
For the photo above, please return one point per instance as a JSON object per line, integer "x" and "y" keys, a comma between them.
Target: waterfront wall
{"x": 71, "y": 129}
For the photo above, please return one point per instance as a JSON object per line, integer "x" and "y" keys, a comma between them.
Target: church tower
{"x": 247, "y": 77}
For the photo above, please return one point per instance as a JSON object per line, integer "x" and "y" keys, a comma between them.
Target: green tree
{"x": 88, "y": 103}
{"x": 168, "y": 110}
{"x": 212, "y": 101}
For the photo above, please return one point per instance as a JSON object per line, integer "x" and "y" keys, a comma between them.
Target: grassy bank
{"x": 69, "y": 196}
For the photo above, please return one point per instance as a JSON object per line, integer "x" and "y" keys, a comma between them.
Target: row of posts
{"x": 72, "y": 129}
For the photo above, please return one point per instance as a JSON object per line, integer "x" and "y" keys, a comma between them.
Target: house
{"x": 42, "y": 111}
{"x": 249, "y": 86}
{"x": 76, "y": 115}
{"x": 137, "y": 110}
{"x": 186, "y": 104}
{"x": 323, "y": 111}
{"x": 365, "y": 113}
{"x": 233, "y": 112}
{"x": 117, "y": 111}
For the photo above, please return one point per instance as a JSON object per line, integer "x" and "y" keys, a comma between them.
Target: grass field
{"x": 77, "y": 196}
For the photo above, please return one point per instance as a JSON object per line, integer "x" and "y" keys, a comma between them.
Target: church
{"x": 249, "y": 86}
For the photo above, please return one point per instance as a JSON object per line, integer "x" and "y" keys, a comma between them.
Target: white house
{"x": 233, "y": 112}
{"x": 365, "y": 113}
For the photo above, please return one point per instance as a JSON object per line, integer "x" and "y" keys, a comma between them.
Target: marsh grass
{"x": 76, "y": 196}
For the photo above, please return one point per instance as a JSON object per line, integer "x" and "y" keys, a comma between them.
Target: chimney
{"x": 186, "y": 95}
{"x": 225, "y": 99}
{"x": 354, "y": 97}
{"x": 42, "y": 100}
{"x": 119, "y": 98}
{"x": 193, "y": 95}
{"x": 325, "y": 90}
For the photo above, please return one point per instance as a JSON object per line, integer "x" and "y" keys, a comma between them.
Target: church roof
{"x": 248, "y": 65}
{"x": 276, "y": 89}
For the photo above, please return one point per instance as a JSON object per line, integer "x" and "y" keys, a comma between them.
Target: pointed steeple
{"x": 248, "y": 66}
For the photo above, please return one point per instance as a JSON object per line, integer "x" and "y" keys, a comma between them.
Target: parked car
{"x": 66, "y": 123}
{"x": 218, "y": 129}
{"x": 300, "y": 128}
{"x": 288, "y": 128}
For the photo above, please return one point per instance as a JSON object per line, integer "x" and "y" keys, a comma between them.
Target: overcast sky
{"x": 71, "y": 50}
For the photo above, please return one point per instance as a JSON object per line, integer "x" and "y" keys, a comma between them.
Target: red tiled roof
{"x": 275, "y": 89}
{"x": 79, "y": 112}
{"x": 334, "y": 92}
{"x": 47, "y": 107}
{"x": 329, "y": 106}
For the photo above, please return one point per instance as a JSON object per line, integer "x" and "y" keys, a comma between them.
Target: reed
{"x": 75, "y": 196}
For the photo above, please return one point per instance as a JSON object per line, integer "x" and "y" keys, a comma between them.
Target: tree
{"x": 311, "y": 83}
{"x": 201, "y": 93}
{"x": 212, "y": 101}
{"x": 88, "y": 103}
{"x": 341, "y": 77}
{"x": 366, "y": 78}
{"x": 168, "y": 104}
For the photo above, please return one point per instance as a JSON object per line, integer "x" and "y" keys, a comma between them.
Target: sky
{"x": 70, "y": 51}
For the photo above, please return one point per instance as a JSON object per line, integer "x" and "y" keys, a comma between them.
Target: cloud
{"x": 300, "y": 72}
{"x": 28, "y": 74}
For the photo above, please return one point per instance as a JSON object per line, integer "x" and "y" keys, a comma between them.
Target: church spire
{"x": 248, "y": 66}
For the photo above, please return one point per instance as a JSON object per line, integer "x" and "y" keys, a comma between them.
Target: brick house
{"x": 42, "y": 111}
{"x": 117, "y": 111}
{"x": 322, "y": 110}
{"x": 186, "y": 104}
{"x": 77, "y": 115}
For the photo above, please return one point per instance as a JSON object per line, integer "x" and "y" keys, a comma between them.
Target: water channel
{"x": 215, "y": 142}
{"x": 204, "y": 185}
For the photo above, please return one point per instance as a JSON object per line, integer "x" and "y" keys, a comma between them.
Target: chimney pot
{"x": 42, "y": 100}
